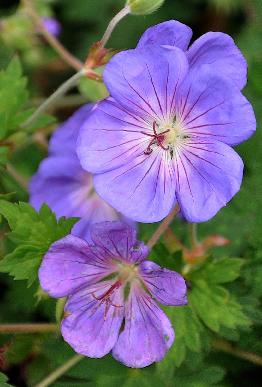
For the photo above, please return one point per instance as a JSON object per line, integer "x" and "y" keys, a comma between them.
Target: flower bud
{"x": 143, "y": 7}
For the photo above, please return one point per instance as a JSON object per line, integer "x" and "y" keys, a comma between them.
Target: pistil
{"x": 157, "y": 138}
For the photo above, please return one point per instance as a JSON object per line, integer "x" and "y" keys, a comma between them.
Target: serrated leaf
{"x": 219, "y": 271}
{"x": 33, "y": 233}
{"x": 188, "y": 331}
{"x": 13, "y": 96}
{"x": 215, "y": 306}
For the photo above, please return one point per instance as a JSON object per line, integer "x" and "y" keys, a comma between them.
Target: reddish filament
{"x": 105, "y": 298}
{"x": 157, "y": 138}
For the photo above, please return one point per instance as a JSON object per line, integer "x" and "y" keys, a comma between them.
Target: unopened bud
{"x": 143, "y": 7}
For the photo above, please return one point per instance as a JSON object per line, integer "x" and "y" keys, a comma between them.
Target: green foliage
{"x": 213, "y": 303}
{"x": 3, "y": 380}
{"x": 205, "y": 377}
{"x": 218, "y": 271}
{"x": 32, "y": 233}
{"x": 211, "y": 306}
{"x": 93, "y": 90}
{"x": 253, "y": 274}
{"x": 20, "y": 347}
{"x": 189, "y": 337}
{"x": 13, "y": 96}
{"x": 13, "y": 112}
{"x": 110, "y": 373}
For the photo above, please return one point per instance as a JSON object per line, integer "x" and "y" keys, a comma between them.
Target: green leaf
{"x": 3, "y": 380}
{"x": 218, "y": 271}
{"x": 162, "y": 256}
{"x": 13, "y": 99}
{"x": 13, "y": 96}
{"x": 93, "y": 90}
{"x": 210, "y": 306}
{"x": 32, "y": 233}
{"x": 188, "y": 330}
{"x": 195, "y": 372}
{"x": 216, "y": 307}
{"x": 213, "y": 303}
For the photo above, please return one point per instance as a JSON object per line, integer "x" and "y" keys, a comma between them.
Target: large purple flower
{"x": 109, "y": 284}
{"x": 64, "y": 185}
{"x": 164, "y": 136}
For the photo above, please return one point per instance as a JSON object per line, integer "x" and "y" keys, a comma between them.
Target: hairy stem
{"x": 64, "y": 54}
{"x": 71, "y": 82}
{"x": 28, "y": 328}
{"x": 60, "y": 371}
{"x": 67, "y": 101}
{"x": 225, "y": 346}
{"x": 162, "y": 227}
{"x": 111, "y": 26}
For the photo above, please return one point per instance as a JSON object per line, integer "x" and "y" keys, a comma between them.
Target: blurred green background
{"x": 27, "y": 359}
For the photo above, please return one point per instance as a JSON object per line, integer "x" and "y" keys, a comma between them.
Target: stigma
{"x": 168, "y": 136}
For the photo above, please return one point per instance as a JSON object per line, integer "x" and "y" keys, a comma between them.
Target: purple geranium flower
{"x": 52, "y": 25}
{"x": 165, "y": 134}
{"x": 64, "y": 185}
{"x": 109, "y": 283}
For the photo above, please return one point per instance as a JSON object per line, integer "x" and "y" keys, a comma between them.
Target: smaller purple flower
{"x": 61, "y": 183}
{"x": 52, "y": 25}
{"x": 112, "y": 295}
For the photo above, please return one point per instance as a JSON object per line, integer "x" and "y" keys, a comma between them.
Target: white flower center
{"x": 176, "y": 136}
{"x": 127, "y": 272}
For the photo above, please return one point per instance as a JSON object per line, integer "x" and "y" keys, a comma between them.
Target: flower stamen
{"x": 105, "y": 298}
{"x": 157, "y": 138}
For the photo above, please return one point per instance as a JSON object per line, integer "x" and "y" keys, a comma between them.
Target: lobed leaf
{"x": 32, "y": 233}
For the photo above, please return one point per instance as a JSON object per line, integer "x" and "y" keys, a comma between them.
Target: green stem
{"x": 162, "y": 227}
{"x": 60, "y": 371}
{"x": 193, "y": 234}
{"x": 28, "y": 328}
{"x": 225, "y": 346}
{"x": 71, "y": 82}
{"x": 111, "y": 26}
